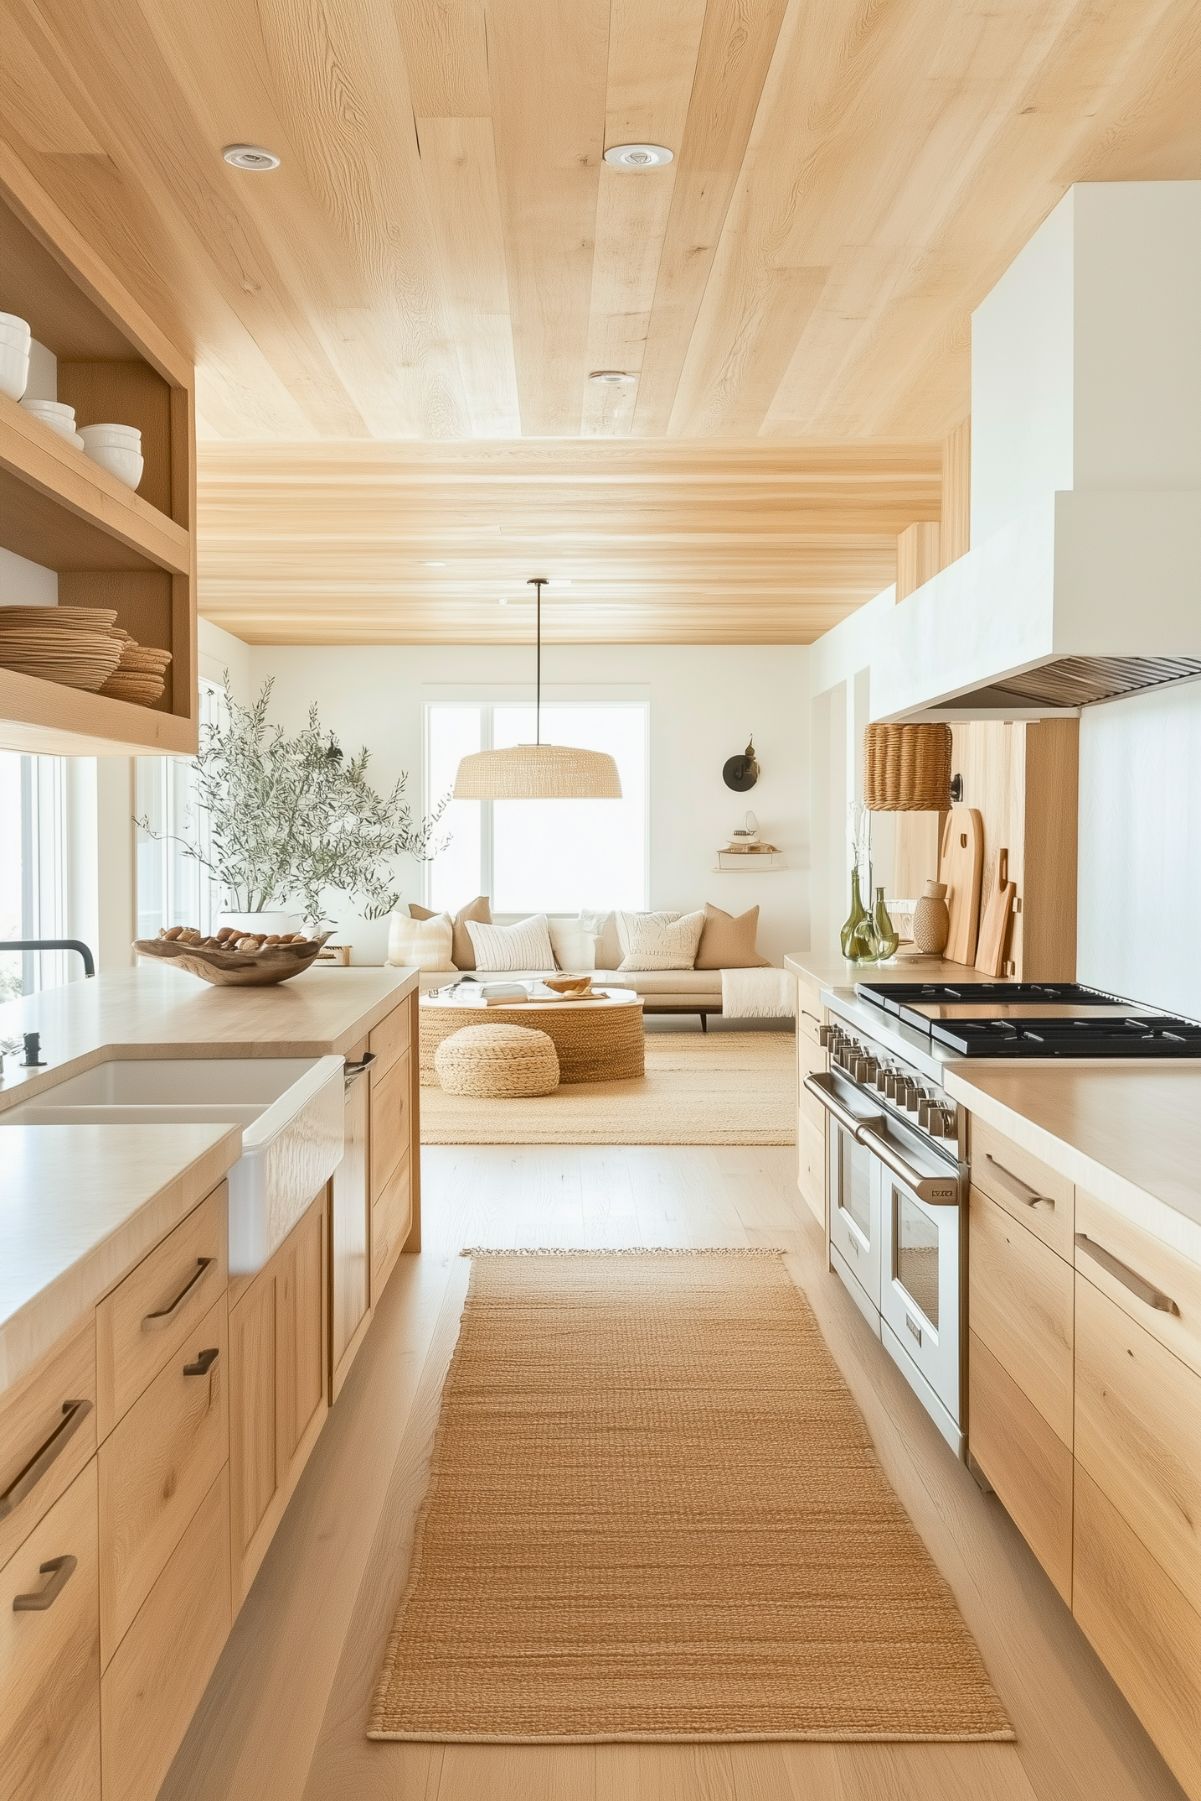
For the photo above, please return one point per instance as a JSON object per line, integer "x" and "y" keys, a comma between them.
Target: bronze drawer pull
{"x": 60, "y": 1571}
{"x": 26, "y": 1480}
{"x": 1129, "y": 1278}
{"x": 153, "y": 1322}
{"x": 204, "y": 1362}
{"x": 1022, "y": 1191}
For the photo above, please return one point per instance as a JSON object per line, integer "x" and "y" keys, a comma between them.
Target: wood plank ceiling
{"x": 444, "y": 256}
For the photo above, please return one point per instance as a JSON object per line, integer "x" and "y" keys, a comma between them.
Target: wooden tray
{"x": 234, "y": 969}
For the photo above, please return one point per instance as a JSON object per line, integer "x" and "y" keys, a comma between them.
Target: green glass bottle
{"x": 886, "y": 933}
{"x": 855, "y": 917}
{"x": 865, "y": 941}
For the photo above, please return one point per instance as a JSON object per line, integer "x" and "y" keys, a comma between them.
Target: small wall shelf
{"x": 748, "y": 862}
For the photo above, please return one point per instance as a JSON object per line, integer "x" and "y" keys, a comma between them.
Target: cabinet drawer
{"x": 390, "y": 1038}
{"x": 47, "y": 1434}
{"x": 156, "y": 1468}
{"x": 1147, "y": 1278}
{"x": 1138, "y": 1433}
{"x": 1027, "y": 1464}
{"x": 391, "y": 1101}
{"x": 50, "y": 1656}
{"x": 151, "y": 1688}
{"x": 145, "y": 1320}
{"x": 1141, "y": 1627}
{"x": 811, "y": 1166}
{"x": 1020, "y": 1305}
{"x": 1024, "y": 1185}
{"x": 391, "y": 1217}
{"x": 810, "y": 1016}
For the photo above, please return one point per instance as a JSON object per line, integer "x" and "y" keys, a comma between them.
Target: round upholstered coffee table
{"x": 598, "y": 1040}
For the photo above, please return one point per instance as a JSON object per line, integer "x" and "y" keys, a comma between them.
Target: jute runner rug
{"x": 654, "y": 1513}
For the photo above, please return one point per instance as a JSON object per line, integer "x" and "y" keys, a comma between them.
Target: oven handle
{"x": 930, "y": 1189}
{"x": 821, "y": 1087}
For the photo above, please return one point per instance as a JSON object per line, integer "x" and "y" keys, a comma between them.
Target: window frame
{"x": 486, "y": 705}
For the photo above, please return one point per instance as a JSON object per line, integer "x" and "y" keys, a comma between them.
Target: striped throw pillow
{"x": 525, "y": 945}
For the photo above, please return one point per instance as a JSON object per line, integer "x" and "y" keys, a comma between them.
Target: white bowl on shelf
{"x": 14, "y": 367}
{"x": 117, "y": 448}
{"x": 14, "y": 329}
{"x": 58, "y": 416}
{"x": 106, "y": 432}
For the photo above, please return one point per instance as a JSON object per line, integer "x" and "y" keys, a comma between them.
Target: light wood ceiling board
{"x": 652, "y": 58}
{"x": 547, "y": 62}
{"x": 43, "y": 114}
{"x": 736, "y": 49}
{"x": 446, "y": 50}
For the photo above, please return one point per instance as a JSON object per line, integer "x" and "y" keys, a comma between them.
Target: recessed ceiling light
{"x": 638, "y": 156}
{"x": 611, "y": 378}
{"x": 250, "y": 156}
{"x": 503, "y": 601}
{"x": 433, "y": 565}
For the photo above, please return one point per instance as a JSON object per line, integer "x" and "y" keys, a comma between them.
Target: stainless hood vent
{"x": 1082, "y": 681}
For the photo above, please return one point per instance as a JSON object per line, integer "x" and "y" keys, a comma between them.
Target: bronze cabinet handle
{"x": 153, "y": 1322}
{"x": 27, "y": 1479}
{"x": 1129, "y": 1278}
{"x": 1021, "y": 1191}
{"x": 60, "y": 1571}
{"x": 204, "y": 1362}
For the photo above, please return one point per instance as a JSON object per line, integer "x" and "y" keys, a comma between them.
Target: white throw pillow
{"x": 574, "y": 943}
{"x": 424, "y": 942}
{"x": 659, "y": 940}
{"x": 525, "y": 945}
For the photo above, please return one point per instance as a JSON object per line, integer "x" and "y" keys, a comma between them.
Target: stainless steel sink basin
{"x": 290, "y": 1110}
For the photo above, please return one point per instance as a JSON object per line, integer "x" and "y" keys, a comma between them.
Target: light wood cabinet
{"x": 1020, "y": 1304}
{"x": 50, "y": 1655}
{"x": 391, "y": 1218}
{"x": 278, "y": 1399}
{"x": 390, "y": 1100}
{"x": 350, "y": 1232}
{"x": 47, "y": 1435}
{"x": 1026, "y": 1462}
{"x": 1148, "y": 1279}
{"x": 1026, "y": 1187}
{"x": 810, "y": 1115}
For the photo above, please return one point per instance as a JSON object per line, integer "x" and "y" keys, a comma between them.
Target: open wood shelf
{"x": 47, "y": 719}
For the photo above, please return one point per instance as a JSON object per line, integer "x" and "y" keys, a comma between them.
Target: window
{"x": 540, "y": 856}
{"x": 172, "y": 888}
{"x": 33, "y": 877}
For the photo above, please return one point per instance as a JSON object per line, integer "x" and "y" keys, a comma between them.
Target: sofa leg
{"x": 704, "y": 1022}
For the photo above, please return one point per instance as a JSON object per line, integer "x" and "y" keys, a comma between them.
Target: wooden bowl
{"x": 577, "y": 985}
{"x": 234, "y": 969}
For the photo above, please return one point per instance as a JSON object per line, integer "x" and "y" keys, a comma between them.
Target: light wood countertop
{"x": 79, "y": 1206}
{"x": 829, "y": 969}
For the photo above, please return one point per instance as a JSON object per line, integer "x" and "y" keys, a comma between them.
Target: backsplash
{"x": 1140, "y": 848}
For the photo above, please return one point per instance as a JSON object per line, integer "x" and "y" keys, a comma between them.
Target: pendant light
{"x": 538, "y": 771}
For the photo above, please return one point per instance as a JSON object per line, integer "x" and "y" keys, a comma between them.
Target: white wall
{"x": 1140, "y": 848}
{"x": 704, "y": 704}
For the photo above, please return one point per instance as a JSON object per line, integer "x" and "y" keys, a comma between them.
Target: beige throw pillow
{"x": 574, "y": 942}
{"x": 424, "y": 942}
{"x": 728, "y": 942}
{"x": 461, "y": 951}
{"x": 659, "y": 940}
{"x": 525, "y": 945}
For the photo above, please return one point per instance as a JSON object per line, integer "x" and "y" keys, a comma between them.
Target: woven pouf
{"x": 497, "y": 1062}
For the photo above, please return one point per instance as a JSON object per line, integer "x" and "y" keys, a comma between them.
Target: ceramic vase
{"x": 931, "y": 920}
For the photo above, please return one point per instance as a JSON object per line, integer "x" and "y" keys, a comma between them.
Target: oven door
{"x": 853, "y": 1208}
{"x": 921, "y": 1274}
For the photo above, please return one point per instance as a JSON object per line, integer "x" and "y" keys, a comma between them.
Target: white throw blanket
{"x": 758, "y": 994}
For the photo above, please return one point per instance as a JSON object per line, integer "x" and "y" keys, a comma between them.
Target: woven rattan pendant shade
{"x": 907, "y": 768}
{"x": 538, "y": 771}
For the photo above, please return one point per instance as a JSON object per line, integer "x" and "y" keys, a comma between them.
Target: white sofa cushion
{"x": 659, "y": 940}
{"x": 574, "y": 942}
{"x": 424, "y": 942}
{"x": 525, "y": 945}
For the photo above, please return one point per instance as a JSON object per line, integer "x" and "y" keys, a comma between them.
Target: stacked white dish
{"x": 58, "y": 416}
{"x": 15, "y": 338}
{"x": 117, "y": 448}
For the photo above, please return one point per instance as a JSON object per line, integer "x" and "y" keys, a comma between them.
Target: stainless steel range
{"x": 897, "y": 1171}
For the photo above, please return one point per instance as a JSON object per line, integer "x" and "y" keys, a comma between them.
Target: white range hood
{"x": 1084, "y": 582}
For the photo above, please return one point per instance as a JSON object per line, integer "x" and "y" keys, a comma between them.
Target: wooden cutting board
{"x": 994, "y": 927}
{"x": 960, "y": 866}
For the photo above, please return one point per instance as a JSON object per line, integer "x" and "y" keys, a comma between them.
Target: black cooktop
{"x": 1079, "y": 1021}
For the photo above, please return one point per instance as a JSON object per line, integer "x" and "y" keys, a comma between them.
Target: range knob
{"x": 904, "y": 1090}
{"x": 828, "y": 1037}
{"x": 882, "y": 1077}
{"x": 927, "y": 1108}
{"x": 865, "y": 1069}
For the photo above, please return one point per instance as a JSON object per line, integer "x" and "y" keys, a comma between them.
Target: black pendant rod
{"x": 537, "y": 583}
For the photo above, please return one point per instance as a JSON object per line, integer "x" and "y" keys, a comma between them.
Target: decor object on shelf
{"x": 279, "y": 822}
{"x": 747, "y": 833}
{"x": 538, "y": 771}
{"x": 659, "y": 940}
{"x": 523, "y": 945}
{"x": 74, "y": 646}
{"x": 907, "y": 768}
{"x": 855, "y": 917}
{"x": 141, "y": 675}
{"x": 887, "y": 936}
{"x": 931, "y": 920}
{"x": 425, "y": 943}
{"x": 462, "y": 955}
{"x": 497, "y": 1062}
{"x": 58, "y": 416}
{"x": 15, "y": 340}
{"x": 222, "y": 960}
{"x": 728, "y": 941}
{"x": 994, "y": 926}
{"x": 742, "y": 772}
{"x": 960, "y": 866}
{"x": 117, "y": 448}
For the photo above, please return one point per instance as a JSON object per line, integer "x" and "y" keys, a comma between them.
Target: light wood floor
{"x": 283, "y": 1717}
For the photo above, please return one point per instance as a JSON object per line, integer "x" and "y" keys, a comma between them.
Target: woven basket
{"x": 907, "y": 768}
{"x": 497, "y": 1062}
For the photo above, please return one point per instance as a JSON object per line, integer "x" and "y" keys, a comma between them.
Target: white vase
{"x": 261, "y": 923}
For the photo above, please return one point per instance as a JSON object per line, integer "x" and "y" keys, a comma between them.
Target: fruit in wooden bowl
{"x": 230, "y": 959}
